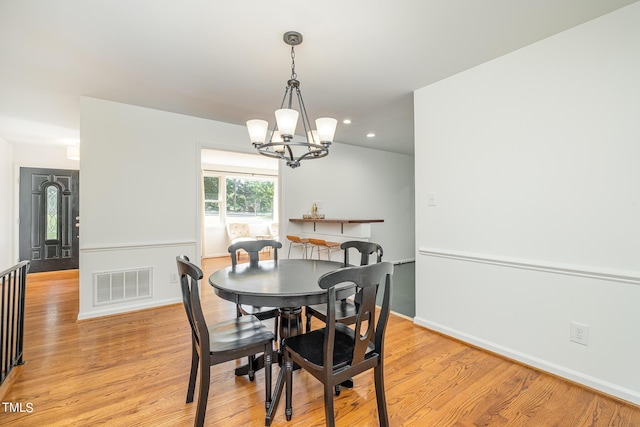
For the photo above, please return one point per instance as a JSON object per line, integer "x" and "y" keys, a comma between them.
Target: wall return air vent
{"x": 112, "y": 287}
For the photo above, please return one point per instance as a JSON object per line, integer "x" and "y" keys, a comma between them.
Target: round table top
{"x": 289, "y": 283}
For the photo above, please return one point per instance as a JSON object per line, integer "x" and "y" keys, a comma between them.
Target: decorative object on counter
{"x": 313, "y": 214}
{"x": 280, "y": 143}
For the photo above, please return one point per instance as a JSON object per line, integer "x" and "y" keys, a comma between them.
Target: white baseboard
{"x": 111, "y": 310}
{"x": 629, "y": 395}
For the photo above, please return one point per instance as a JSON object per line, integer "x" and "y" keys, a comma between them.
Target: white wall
{"x": 356, "y": 183}
{"x": 139, "y": 198}
{"x": 6, "y": 194}
{"x": 41, "y": 156}
{"x": 533, "y": 159}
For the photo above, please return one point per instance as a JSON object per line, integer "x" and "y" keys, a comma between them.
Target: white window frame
{"x": 222, "y": 191}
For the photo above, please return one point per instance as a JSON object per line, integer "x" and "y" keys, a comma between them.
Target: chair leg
{"x": 252, "y": 364}
{"x": 203, "y": 395}
{"x": 268, "y": 353}
{"x": 383, "y": 415}
{"x": 308, "y": 325}
{"x": 288, "y": 366}
{"x": 275, "y": 331}
{"x": 328, "y": 404}
{"x": 194, "y": 372}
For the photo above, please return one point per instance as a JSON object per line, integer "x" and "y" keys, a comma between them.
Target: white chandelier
{"x": 280, "y": 143}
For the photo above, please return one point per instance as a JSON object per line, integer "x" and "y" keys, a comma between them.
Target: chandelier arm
{"x": 305, "y": 118}
{"x": 318, "y": 154}
{"x": 290, "y": 104}
{"x": 293, "y": 162}
{"x": 284, "y": 98}
{"x": 288, "y": 147}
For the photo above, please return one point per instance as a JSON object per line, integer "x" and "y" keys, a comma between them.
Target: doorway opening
{"x": 237, "y": 188}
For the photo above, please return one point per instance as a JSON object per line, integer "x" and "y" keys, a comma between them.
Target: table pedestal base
{"x": 290, "y": 322}
{"x": 290, "y": 325}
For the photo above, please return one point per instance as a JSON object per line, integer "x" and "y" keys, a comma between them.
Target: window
{"x": 249, "y": 199}
{"x": 211, "y": 186}
{"x": 52, "y": 212}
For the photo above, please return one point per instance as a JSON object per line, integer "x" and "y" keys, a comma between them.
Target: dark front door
{"x": 48, "y": 217}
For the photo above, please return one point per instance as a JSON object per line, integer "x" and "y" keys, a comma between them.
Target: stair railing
{"x": 12, "y": 296}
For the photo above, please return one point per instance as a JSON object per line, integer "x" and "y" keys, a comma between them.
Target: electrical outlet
{"x": 579, "y": 333}
{"x": 173, "y": 277}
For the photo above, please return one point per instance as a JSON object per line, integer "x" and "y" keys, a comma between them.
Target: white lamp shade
{"x": 287, "y": 120}
{"x": 313, "y": 138}
{"x": 326, "y": 128}
{"x": 257, "y": 130}
{"x": 276, "y": 137}
{"x": 73, "y": 152}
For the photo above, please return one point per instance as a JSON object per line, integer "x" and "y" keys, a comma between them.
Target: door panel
{"x": 48, "y": 215}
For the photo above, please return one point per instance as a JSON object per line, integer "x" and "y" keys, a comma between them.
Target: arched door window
{"x": 52, "y": 212}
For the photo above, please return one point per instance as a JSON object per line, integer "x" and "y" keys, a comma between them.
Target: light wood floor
{"x": 132, "y": 370}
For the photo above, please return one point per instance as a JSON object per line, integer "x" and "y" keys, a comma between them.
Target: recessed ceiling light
{"x": 371, "y": 135}
{"x": 347, "y": 121}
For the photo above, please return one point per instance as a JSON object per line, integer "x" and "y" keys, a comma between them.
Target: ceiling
{"x": 226, "y": 61}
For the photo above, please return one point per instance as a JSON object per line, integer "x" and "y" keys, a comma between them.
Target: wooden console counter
{"x": 342, "y": 222}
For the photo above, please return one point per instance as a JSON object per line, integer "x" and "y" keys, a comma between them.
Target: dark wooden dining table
{"x": 288, "y": 284}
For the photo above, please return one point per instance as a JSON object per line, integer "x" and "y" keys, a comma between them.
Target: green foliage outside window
{"x": 246, "y": 196}
{"x": 211, "y": 195}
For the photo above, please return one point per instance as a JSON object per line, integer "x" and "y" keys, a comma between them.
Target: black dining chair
{"x": 220, "y": 342}
{"x": 253, "y": 248}
{"x": 346, "y": 308}
{"x": 338, "y": 352}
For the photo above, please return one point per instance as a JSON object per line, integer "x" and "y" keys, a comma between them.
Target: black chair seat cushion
{"x": 236, "y": 333}
{"x": 310, "y": 346}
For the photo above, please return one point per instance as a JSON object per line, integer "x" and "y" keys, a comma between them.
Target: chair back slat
{"x": 365, "y": 249}
{"x": 253, "y": 248}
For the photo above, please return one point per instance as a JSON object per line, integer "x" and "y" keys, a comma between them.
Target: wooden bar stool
{"x": 297, "y": 241}
{"x": 321, "y": 244}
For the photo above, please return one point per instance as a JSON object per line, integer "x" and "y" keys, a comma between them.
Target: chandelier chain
{"x": 293, "y": 64}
